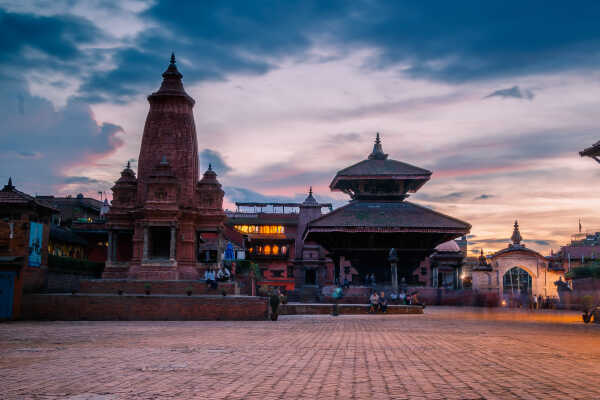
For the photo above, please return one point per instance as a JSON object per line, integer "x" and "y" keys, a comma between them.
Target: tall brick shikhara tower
{"x": 157, "y": 219}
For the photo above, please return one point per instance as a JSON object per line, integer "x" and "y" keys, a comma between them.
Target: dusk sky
{"x": 496, "y": 98}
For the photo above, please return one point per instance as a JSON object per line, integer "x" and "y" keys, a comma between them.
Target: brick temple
{"x": 158, "y": 218}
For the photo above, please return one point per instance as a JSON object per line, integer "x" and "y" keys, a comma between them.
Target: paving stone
{"x": 447, "y": 353}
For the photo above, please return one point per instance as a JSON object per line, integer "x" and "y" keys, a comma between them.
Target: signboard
{"x": 36, "y": 231}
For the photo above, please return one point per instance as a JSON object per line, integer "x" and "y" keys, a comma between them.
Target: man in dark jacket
{"x": 274, "y": 301}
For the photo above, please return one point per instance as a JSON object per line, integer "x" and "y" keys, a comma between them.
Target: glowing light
{"x": 261, "y": 229}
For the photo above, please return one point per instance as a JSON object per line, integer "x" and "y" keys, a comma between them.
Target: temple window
{"x": 160, "y": 242}
{"x": 160, "y": 195}
{"x": 267, "y": 250}
{"x": 283, "y": 250}
{"x": 275, "y": 250}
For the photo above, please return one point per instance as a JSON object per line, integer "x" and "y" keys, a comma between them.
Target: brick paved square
{"x": 444, "y": 354}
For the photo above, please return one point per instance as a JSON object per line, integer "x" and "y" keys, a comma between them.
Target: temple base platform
{"x": 321, "y": 308}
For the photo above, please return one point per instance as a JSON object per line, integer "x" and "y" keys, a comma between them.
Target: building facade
{"x": 274, "y": 241}
{"x": 516, "y": 272}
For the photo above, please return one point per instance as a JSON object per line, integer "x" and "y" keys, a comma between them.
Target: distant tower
{"x": 157, "y": 219}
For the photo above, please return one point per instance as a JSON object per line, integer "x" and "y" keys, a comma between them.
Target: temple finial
{"x": 173, "y": 58}
{"x": 10, "y": 181}
{"x": 516, "y": 236}
{"x": 310, "y": 191}
{"x": 128, "y": 164}
{"x": 377, "y": 153}
{"x": 210, "y": 166}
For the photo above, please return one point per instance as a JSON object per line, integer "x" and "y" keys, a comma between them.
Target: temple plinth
{"x": 378, "y": 218}
{"x": 158, "y": 218}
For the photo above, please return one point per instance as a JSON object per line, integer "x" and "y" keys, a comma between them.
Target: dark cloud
{"x": 452, "y": 42}
{"x": 80, "y": 179}
{"x": 514, "y": 92}
{"x": 208, "y": 156}
{"x": 506, "y": 153}
{"x": 484, "y": 197}
{"x": 450, "y": 197}
{"x": 39, "y": 146}
{"x": 46, "y": 43}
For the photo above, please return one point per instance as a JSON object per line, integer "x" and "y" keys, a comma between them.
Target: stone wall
{"x": 111, "y": 286}
{"x": 67, "y": 307}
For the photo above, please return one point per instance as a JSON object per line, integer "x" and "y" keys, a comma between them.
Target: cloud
{"x": 208, "y": 156}
{"x": 450, "y": 197}
{"x": 484, "y": 197}
{"x": 38, "y": 147}
{"x": 452, "y": 43}
{"x": 514, "y": 92}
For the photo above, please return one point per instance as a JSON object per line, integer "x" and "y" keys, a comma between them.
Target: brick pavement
{"x": 444, "y": 354}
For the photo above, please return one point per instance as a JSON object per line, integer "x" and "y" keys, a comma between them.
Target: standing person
{"x": 535, "y": 302}
{"x": 383, "y": 303}
{"x": 374, "y": 302}
{"x": 274, "y": 300}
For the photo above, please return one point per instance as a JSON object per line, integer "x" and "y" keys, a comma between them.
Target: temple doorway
{"x": 516, "y": 281}
{"x": 310, "y": 277}
{"x": 160, "y": 241}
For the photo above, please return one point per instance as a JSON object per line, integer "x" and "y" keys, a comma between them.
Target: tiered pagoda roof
{"x": 378, "y": 187}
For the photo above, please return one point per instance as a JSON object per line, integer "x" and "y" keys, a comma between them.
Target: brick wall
{"x": 69, "y": 307}
{"x": 111, "y": 286}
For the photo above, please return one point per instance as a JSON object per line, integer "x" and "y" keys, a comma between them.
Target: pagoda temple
{"x": 378, "y": 218}
{"x": 159, "y": 218}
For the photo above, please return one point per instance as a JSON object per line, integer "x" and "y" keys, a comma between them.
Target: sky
{"x": 496, "y": 98}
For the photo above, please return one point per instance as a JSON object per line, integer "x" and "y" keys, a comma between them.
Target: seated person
{"x": 226, "y": 274}
{"x": 383, "y": 303}
{"x": 374, "y": 302}
{"x": 220, "y": 275}
{"x": 207, "y": 276}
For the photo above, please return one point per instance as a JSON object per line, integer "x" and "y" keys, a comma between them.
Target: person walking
{"x": 274, "y": 300}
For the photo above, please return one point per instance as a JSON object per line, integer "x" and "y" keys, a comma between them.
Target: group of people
{"x": 212, "y": 276}
{"x": 378, "y": 303}
{"x": 530, "y": 301}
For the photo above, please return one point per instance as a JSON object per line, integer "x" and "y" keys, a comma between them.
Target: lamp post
{"x": 393, "y": 259}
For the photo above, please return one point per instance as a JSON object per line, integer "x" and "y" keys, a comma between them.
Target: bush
{"x": 589, "y": 270}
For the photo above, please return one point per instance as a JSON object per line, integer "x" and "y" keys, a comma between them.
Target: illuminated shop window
{"x": 261, "y": 229}
{"x": 283, "y": 249}
{"x": 275, "y": 249}
{"x": 267, "y": 250}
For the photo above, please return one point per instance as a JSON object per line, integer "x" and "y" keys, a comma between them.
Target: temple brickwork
{"x": 158, "y": 218}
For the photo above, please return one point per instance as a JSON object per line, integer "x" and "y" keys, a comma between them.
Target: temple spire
{"x": 310, "y": 200}
{"x": 377, "y": 153}
{"x": 9, "y": 187}
{"x": 210, "y": 166}
{"x": 516, "y": 236}
{"x": 172, "y": 58}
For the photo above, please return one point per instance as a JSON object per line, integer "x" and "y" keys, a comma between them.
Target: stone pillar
{"x": 145, "y": 253}
{"x": 109, "y": 249}
{"x": 395, "y": 277}
{"x": 434, "y": 276}
{"x": 172, "y": 244}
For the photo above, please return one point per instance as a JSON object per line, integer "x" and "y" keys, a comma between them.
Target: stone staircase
{"x": 305, "y": 295}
